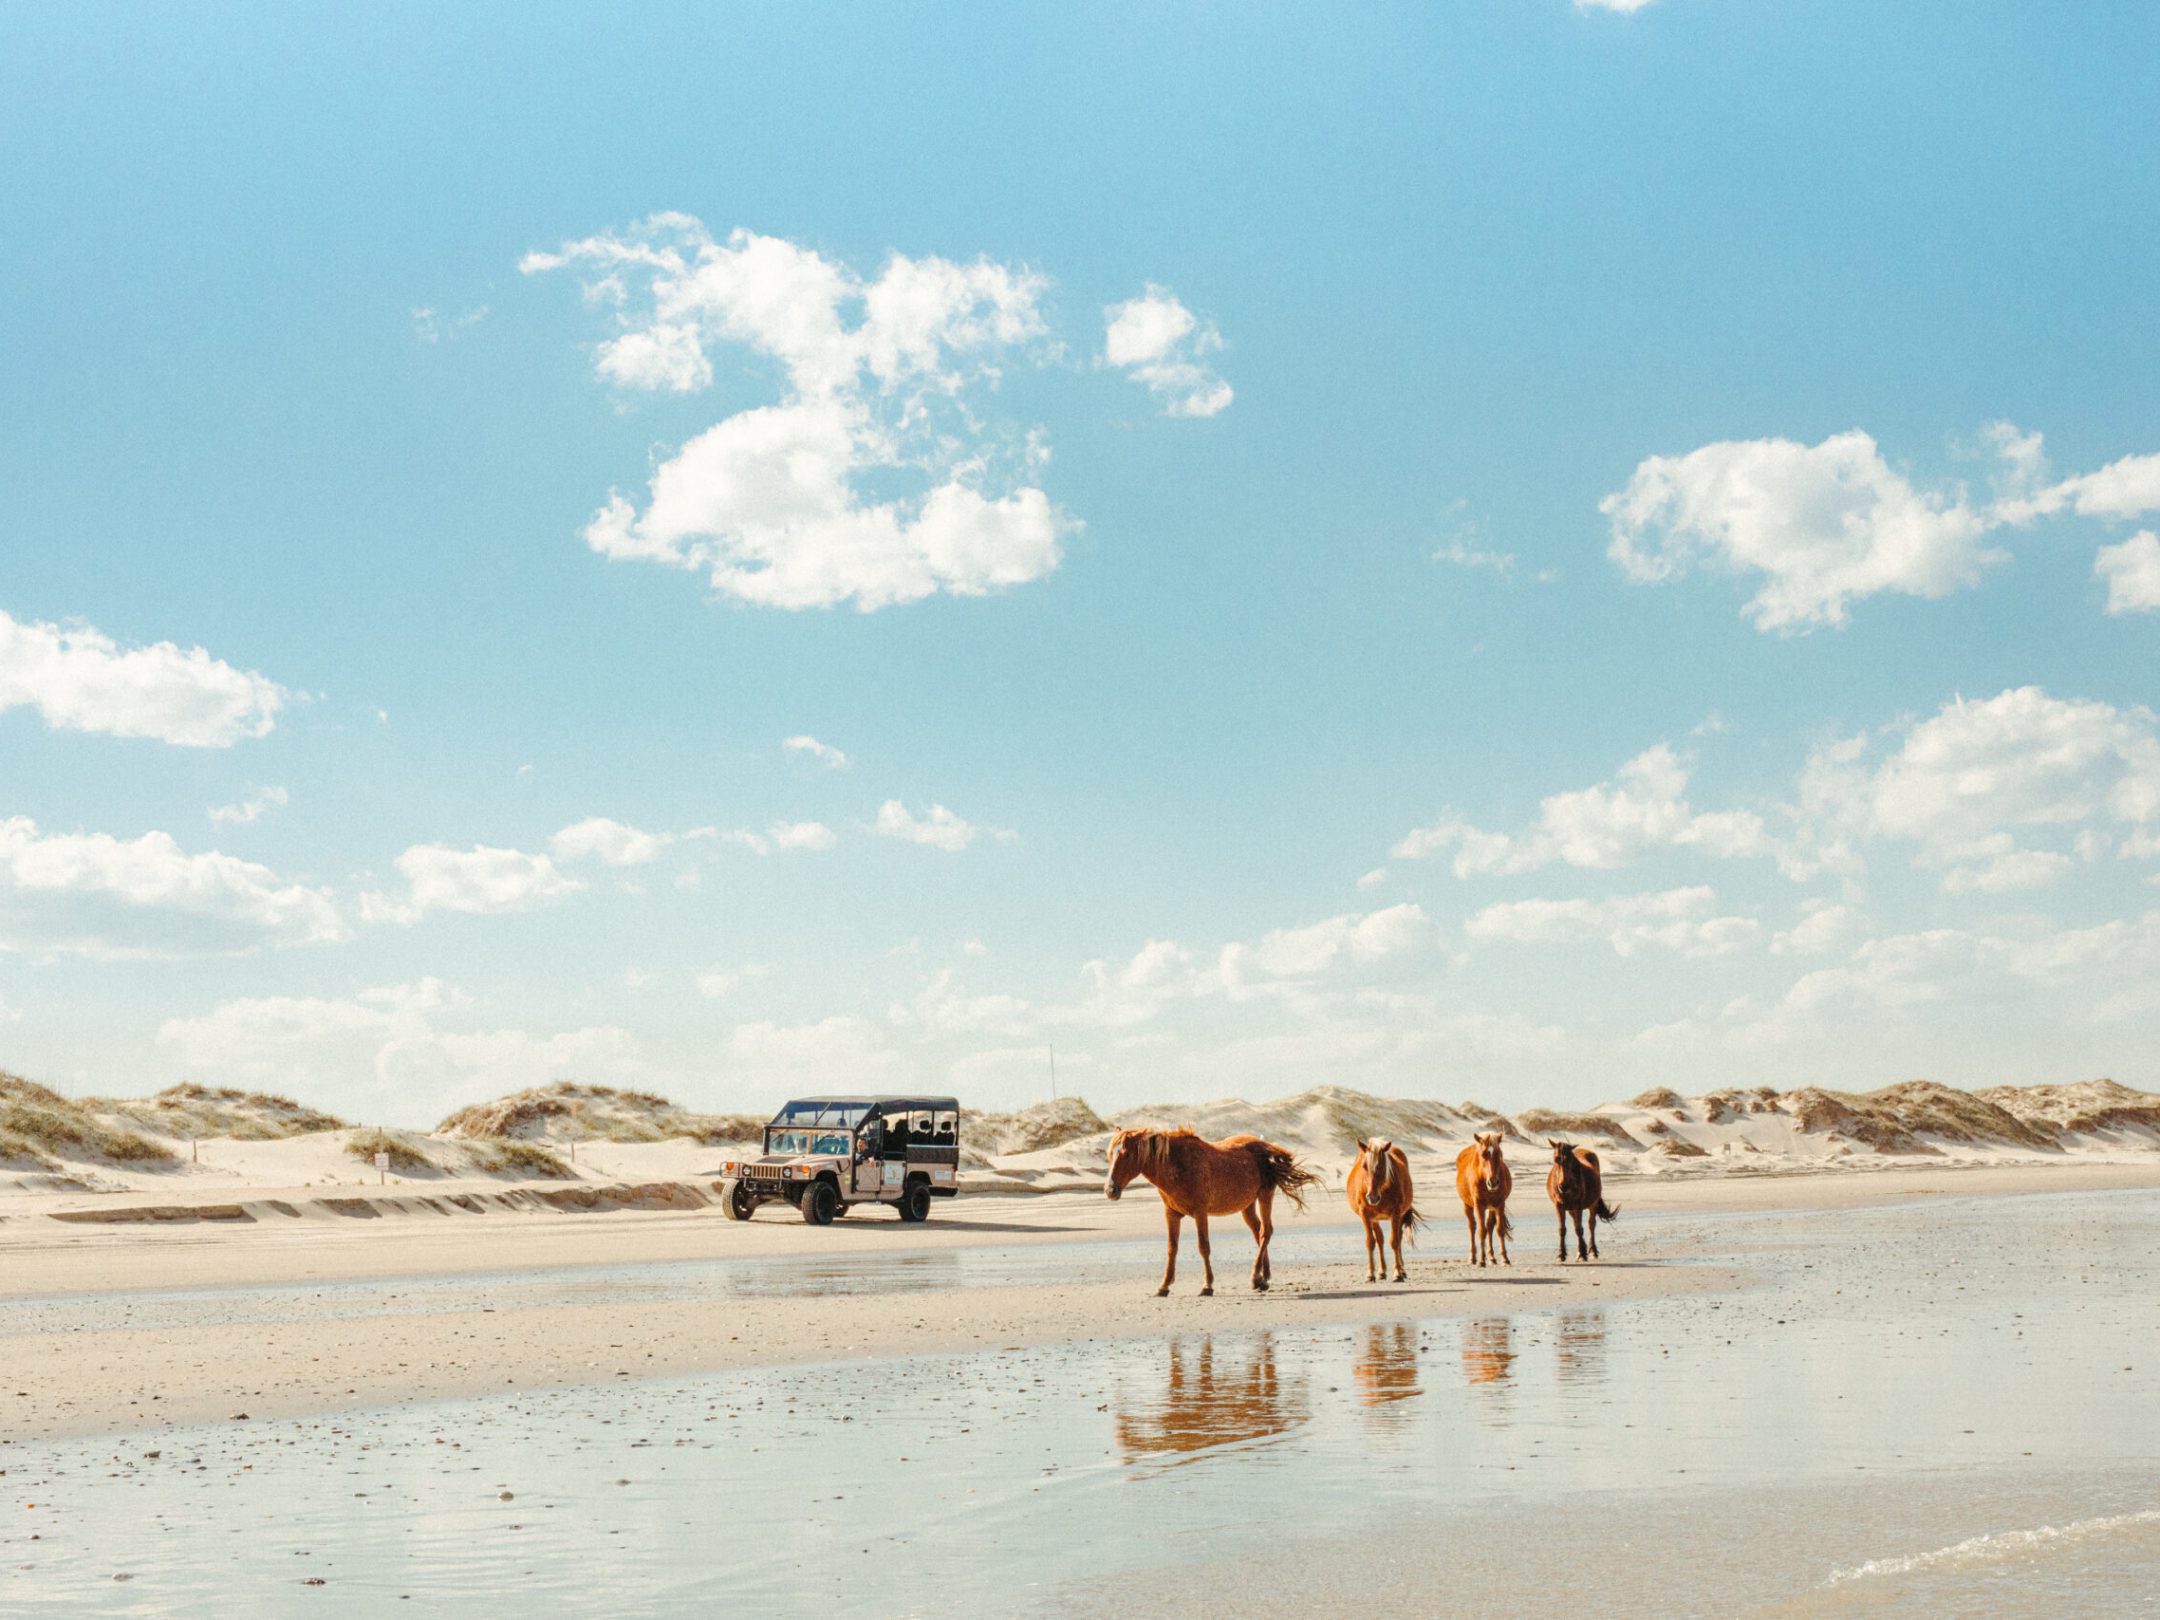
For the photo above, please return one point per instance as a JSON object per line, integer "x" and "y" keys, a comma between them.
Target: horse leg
{"x": 1400, "y": 1274}
{"x": 1500, "y": 1226}
{"x": 1252, "y": 1225}
{"x": 1265, "y": 1260}
{"x": 1560, "y": 1215}
{"x": 1582, "y": 1249}
{"x": 1207, "y": 1262}
{"x": 1593, "y": 1233}
{"x": 1469, "y": 1213}
{"x": 1169, "y": 1271}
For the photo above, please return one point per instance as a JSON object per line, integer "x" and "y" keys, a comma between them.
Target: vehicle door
{"x": 869, "y": 1158}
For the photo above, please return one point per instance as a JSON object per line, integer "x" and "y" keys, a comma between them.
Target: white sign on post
{"x": 382, "y": 1167}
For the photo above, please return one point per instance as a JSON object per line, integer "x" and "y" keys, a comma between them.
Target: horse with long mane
{"x": 1378, "y": 1188}
{"x": 1483, "y": 1182}
{"x": 1576, "y": 1186}
{"x": 1199, "y": 1178}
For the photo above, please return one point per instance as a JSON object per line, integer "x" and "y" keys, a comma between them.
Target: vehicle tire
{"x": 740, "y": 1205}
{"x": 819, "y": 1200}
{"x": 915, "y": 1202}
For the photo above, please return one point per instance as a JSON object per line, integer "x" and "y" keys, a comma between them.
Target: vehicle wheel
{"x": 740, "y": 1205}
{"x": 819, "y": 1200}
{"x": 915, "y": 1202}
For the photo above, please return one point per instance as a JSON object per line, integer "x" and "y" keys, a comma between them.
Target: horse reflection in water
{"x": 1488, "y": 1350}
{"x": 1214, "y": 1397}
{"x": 1386, "y": 1368}
{"x": 1579, "y": 1347}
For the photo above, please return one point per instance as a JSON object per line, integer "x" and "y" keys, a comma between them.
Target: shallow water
{"x": 906, "y": 1271}
{"x": 1950, "y": 1408}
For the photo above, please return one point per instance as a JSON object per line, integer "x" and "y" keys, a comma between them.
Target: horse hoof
{"x": 1163, "y": 1291}
{"x": 1205, "y": 1292}
{"x": 1259, "y": 1287}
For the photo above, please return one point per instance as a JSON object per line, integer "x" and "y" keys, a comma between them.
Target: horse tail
{"x": 1411, "y": 1221}
{"x": 1279, "y": 1169}
{"x": 1507, "y": 1227}
{"x": 1605, "y": 1211}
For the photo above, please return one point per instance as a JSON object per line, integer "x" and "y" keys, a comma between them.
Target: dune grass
{"x": 497, "y": 1154}
{"x": 39, "y": 1127}
{"x": 405, "y": 1157}
{"x": 189, "y": 1110}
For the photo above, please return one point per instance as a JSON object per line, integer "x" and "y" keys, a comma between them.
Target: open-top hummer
{"x": 825, "y": 1155}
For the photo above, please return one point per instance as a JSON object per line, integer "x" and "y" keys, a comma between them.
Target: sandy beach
{"x": 112, "y": 1328}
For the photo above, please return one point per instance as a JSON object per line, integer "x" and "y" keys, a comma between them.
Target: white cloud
{"x": 800, "y": 835}
{"x": 1604, "y": 826}
{"x": 80, "y": 679}
{"x": 1464, "y": 555}
{"x": 252, "y": 808}
{"x": 2126, "y": 488}
{"x": 1824, "y": 525}
{"x": 1626, "y": 8}
{"x": 97, "y": 895}
{"x": 782, "y": 1057}
{"x": 479, "y": 881}
{"x": 387, "y": 1049}
{"x": 823, "y": 753}
{"x": 943, "y": 1007}
{"x": 1824, "y": 925}
{"x": 1155, "y": 340}
{"x": 717, "y": 982}
{"x": 2132, "y": 573}
{"x": 612, "y": 842}
{"x": 1965, "y": 784}
{"x": 768, "y": 503}
{"x": 432, "y": 326}
{"x": 940, "y": 828}
{"x": 1296, "y": 953}
{"x": 1681, "y": 920}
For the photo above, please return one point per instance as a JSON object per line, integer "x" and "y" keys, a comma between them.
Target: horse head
{"x": 1378, "y": 1157}
{"x": 1125, "y": 1162}
{"x": 1563, "y": 1153}
{"x": 1490, "y": 1164}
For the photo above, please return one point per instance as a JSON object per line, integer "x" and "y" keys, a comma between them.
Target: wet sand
{"x": 1941, "y": 1406}
{"x": 106, "y": 1330}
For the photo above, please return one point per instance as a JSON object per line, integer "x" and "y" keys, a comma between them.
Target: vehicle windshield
{"x": 812, "y": 1114}
{"x": 781, "y": 1141}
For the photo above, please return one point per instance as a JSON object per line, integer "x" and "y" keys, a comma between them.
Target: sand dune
{"x": 192, "y": 1146}
{"x": 567, "y": 1112}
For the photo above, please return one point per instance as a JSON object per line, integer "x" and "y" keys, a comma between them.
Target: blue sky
{"x": 1492, "y": 550}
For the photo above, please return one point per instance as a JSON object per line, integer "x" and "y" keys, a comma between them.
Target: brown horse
{"x": 1240, "y": 1176}
{"x": 1379, "y": 1190}
{"x": 1575, "y": 1185}
{"x": 1483, "y": 1182}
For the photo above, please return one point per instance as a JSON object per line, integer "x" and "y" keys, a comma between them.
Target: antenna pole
{"x": 1053, "y": 1071}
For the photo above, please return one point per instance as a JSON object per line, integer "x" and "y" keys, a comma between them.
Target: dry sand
{"x": 101, "y": 1330}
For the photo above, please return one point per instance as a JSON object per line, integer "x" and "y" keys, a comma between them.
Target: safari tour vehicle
{"x": 825, "y": 1155}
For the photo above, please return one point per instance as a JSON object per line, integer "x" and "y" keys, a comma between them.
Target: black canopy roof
{"x": 910, "y": 1103}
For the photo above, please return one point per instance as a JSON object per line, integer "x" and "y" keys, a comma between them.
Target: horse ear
{"x": 1361, "y": 1147}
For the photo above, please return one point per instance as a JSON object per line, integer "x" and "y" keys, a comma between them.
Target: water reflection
{"x": 1386, "y": 1368}
{"x": 1213, "y": 1396}
{"x": 849, "y": 1274}
{"x": 1579, "y": 1347}
{"x": 1488, "y": 1350}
